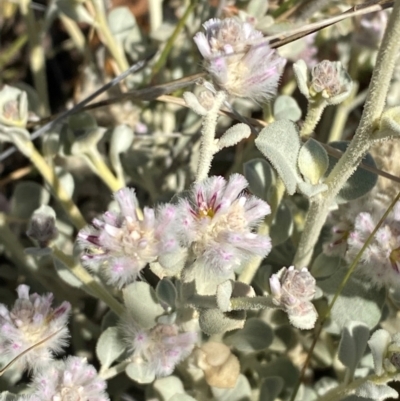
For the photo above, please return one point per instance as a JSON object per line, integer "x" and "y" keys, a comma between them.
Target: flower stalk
{"x": 363, "y": 139}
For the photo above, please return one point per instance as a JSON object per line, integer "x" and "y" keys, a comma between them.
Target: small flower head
{"x": 13, "y": 107}
{"x": 217, "y": 223}
{"x": 380, "y": 261}
{"x": 71, "y": 379}
{"x": 42, "y": 226}
{"x": 385, "y": 350}
{"x": 237, "y": 59}
{"x": 293, "y": 290}
{"x": 159, "y": 349}
{"x": 327, "y": 81}
{"x": 32, "y": 322}
{"x": 123, "y": 243}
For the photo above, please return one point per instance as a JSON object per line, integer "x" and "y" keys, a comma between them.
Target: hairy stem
{"x": 207, "y": 145}
{"x": 363, "y": 139}
{"x": 313, "y": 116}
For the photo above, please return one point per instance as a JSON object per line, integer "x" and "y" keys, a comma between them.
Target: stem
{"x": 338, "y": 292}
{"x": 60, "y": 193}
{"x": 313, "y": 116}
{"x": 207, "y": 146}
{"x": 74, "y": 32}
{"x": 102, "y": 170}
{"x": 112, "y": 45}
{"x": 114, "y": 370}
{"x": 168, "y": 46}
{"x": 37, "y": 57}
{"x": 362, "y": 141}
{"x": 93, "y": 286}
{"x": 343, "y": 390}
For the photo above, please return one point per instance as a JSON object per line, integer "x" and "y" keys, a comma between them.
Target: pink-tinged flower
{"x": 160, "y": 348}
{"x": 380, "y": 261}
{"x": 122, "y": 244}
{"x": 71, "y": 379}
{"x": 32, "y": 322}
{"x": 292, "y": 290}
{"x": 218, "y": 223}
{"x": 238, "y": 60}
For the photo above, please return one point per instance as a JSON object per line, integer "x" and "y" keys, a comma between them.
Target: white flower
{"x": 218, "y": 221}
{"x": 32, "y": 322}
{"x": 122, "y": 244}
{"x": 293, "y": 290}
{"x": 238, "y": 60}
{"x": 160, "y": 348}
{"x": 70, "y": 380}
{"x": 380, "y": 261}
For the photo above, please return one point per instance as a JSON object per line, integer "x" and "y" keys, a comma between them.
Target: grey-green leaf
{"x": 261, "y": 177}
{"x": 141, "y": 303}
{"x": 360, "y": 183}
{"x": 166, "y": 292}
{"x": 280, "y": 143}
{"x": 313, "y": 161}
{"x": 366, "y": 301}
{"x": 109, "y": 347}
{"x": 256, "y": 335}
{"x": 286, "y": 108}
{"x": 140, "y": 373}
{"x": 282, "y": 225}
{"x": 270, "y": 388}
{"x": 353, "y": 344}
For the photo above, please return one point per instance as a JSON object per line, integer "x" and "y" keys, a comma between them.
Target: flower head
{"x": 238, "y": 60}
{"x": 123, "y": 243}
{"x": 293, "y": 290}
{"x": 32, "y": 322}
{"x": 385, "y": 351}
{"x": 217, "y": 223}
{"x": 71, "y": 379}
{"x": 380, "y": 261}
{"x": 160, "y": 348}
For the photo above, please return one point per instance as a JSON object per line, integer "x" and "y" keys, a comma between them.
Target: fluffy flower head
{"x": 293, "y": 290}
{"x": 123, "y": 243}
{"x": 380, "y": 262}
{"x": 218, "y": 222}
{"x": 161, "y": 348}
{"x": 32, "y": 322}
{"x": 238, "y": 60}
{"x": 70, "y": 380}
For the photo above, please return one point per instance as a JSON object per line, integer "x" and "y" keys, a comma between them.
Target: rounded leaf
{"x": 256, "y": 335}
{"x": 286, "y": 108}
{"x": 109, "y": 347}
{"x": 140, "y": 373}
{"x": 141, "y": 303}
{"x": 214, "y": 321}
{"x": 166, "y": 292}
{"x": 280, "y": 143}
{"x": 260, "y": 176}
{"x": 270, "y": 388}
{"x": 360, "y": 183}
{"x": 313, "y": 161}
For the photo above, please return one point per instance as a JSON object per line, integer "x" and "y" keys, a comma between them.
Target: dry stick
{"x": 362, "y": 141}
{"x": 51, "y": 124}
{"x": 155, "y": 91}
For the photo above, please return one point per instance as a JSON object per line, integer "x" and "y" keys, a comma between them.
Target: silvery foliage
{"x": 174, "y": 254}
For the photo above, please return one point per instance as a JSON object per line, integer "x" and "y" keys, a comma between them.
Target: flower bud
{"x": 42, "y": 226}
{"x": 13, "y": 107}
{"x": 292, "y": 290}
